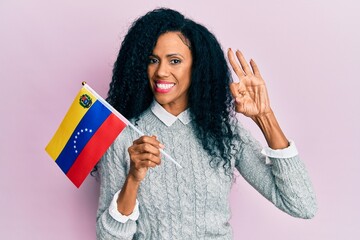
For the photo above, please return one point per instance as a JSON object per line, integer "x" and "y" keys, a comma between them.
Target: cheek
{"x": 184, "y": 83}
{"x": 188, "y": 71}
{"x": 187, "y": 77}
{"x": 149, "y": 72}
{"x": 184, "y": 75}
{"x": 149, "y": 75}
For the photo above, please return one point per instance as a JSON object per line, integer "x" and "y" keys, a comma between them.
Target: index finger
{"x": 150, "y": 140}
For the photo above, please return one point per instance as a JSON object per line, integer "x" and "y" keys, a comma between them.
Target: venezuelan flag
{"x": 86, "y": 132}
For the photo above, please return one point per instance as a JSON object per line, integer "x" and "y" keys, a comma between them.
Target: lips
{"x": 163, "y": 86}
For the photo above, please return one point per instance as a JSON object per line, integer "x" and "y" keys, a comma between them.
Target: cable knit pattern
{"x": 192, "y": 202}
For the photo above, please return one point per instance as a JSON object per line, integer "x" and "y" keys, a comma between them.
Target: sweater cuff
{"x": 115, "y": 214}
{"x": 289, "y": 152}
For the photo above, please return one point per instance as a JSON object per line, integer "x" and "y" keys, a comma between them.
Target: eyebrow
{"x": 168, "y": 55}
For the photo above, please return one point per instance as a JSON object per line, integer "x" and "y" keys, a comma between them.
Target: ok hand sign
{"x": 251, "y": 97}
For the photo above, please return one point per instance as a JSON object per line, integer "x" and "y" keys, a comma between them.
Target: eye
{"x": 153, "y": 60}
{"x": 175, "y": 61}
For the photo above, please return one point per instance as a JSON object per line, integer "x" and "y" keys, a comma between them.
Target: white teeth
{"x": 164, "y": 86}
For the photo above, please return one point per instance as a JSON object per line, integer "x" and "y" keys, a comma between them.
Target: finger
{"x": 255, "y": 68}
{"x": 151, "y": 164}
{"x": 150, "y": 140}
{"x": 234, "y": 89}
{"x": 147, "y": 164}
{"x": 235, "y": 66}
{"x": 143, "y": 158}
{"x": 144, "y": 148}
{"x": 138, "y": 164}
{"x": 139, "y": 158}
{"x": 243, "y": 63}
{"x": 148, "y": 148}
{"x": 144, "y": 139}
{"x": 240, "y": 97}
{"x": 237, "y": 89}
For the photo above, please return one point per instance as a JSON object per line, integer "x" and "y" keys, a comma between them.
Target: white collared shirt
{"x": 167, "y": 118}
{"x": 185, "y": 117}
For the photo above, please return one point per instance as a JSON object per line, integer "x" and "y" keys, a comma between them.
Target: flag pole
{"x": 111, "y": 108}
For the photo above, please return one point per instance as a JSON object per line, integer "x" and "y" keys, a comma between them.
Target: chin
{"x": 162, "y": 100}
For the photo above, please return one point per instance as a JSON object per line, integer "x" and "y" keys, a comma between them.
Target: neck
{"x": 174, "y": 109}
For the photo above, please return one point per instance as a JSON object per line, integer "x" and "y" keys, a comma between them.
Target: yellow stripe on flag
{"x": 72, "y": 118}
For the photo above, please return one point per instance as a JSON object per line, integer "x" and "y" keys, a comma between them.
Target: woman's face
{"x": 169, "y": 72}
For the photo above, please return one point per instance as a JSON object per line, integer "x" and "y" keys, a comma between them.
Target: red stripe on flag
{"x": 94, "y": 149}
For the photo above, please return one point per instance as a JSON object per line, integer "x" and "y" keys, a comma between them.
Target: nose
{"x": 162, "y": 70}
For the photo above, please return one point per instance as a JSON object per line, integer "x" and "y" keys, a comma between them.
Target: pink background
{"x": 308, "y": 52}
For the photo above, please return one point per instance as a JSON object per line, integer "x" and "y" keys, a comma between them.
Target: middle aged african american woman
{"x": 172, "y": 80}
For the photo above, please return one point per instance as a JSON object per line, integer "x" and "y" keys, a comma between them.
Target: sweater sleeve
{"x": 285, "y": 182}
{"x": 113, "y": 168}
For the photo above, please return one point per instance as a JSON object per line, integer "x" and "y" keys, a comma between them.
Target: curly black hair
{"x": 210, "y": 101}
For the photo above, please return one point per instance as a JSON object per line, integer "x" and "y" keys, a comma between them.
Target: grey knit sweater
{"x": 192, "y": 202}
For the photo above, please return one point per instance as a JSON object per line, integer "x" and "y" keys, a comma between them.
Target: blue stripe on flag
{"x": 86, "y": 128}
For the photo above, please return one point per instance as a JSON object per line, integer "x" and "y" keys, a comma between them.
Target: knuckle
{"x": 133, "y": 159}
{"x": 146, "y": 148}
{"x": 145, "y": 138}
{"x": 130, "y": 150}
{"x": 149, "y": 156}
{"x": 139, "y": 140}
{"x": 149, "y": 163}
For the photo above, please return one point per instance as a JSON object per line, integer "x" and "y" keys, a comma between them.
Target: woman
{"x": 171, "y": 79}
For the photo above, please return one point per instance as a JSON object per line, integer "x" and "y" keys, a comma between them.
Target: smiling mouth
{"x": 163, "y": 87}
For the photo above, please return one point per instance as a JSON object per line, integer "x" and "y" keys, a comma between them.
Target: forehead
{"x": 173, "y": 42}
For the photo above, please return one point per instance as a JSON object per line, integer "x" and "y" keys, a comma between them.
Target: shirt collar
{"x": 167, "y": 118}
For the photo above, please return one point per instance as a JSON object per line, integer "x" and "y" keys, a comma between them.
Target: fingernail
{"x": 162, "y": 146}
